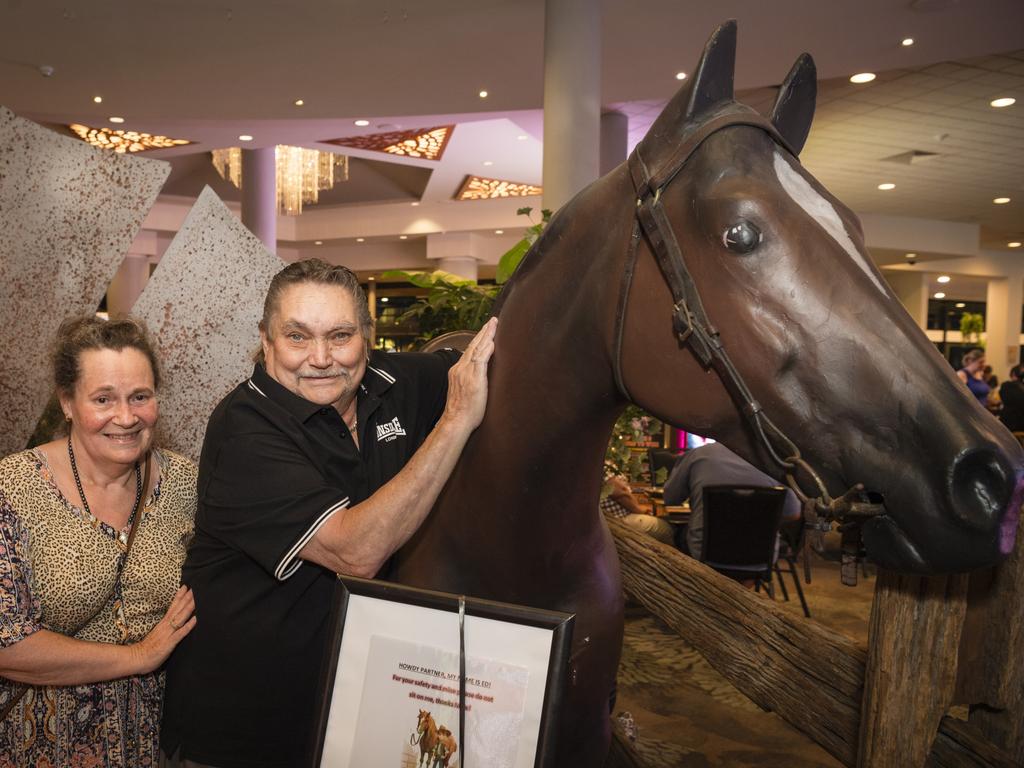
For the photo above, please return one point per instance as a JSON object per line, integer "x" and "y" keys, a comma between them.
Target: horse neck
{"x": 553, "y": 396}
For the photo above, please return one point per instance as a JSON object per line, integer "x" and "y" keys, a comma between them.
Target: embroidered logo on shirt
{"x": 389, "y": 431}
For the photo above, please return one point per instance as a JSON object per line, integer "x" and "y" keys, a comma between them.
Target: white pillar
{"x": 614, "y": 140}
{"x": 128, "y": 283}
{"x": 459, "y": 253}
{"x": 1002, "y": 322}
{"x": 911, "y": 288}
{"x": 572, "y": 97}
{"x": 259, "y": 195}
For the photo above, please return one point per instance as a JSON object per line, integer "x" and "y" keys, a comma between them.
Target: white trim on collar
{"x": 383, "y": 374}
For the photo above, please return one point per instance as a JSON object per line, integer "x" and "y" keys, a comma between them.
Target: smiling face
{"x": 113, "y": 407}
{"x": 314, "y": 346}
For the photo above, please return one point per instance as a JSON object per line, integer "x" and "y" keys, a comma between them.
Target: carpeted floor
{"x": 687, "y": 715}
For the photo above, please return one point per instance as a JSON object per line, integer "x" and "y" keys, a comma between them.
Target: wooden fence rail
{"x": 810, "y": 676}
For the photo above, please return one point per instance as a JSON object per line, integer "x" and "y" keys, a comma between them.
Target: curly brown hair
{"x": 79, "y": 334}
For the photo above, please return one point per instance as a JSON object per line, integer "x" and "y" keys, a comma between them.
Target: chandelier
{"x": 301, "y": 173}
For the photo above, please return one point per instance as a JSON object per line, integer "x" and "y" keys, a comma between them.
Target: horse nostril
{"x": 981, "y": 488}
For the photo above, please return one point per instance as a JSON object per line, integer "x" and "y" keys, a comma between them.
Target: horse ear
{"x": 713, "y": 81}
{"x": 794, "y": 106}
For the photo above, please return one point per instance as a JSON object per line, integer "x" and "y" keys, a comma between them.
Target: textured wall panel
{"x": 68, "y": 213}
{"x": 202, "y": 305}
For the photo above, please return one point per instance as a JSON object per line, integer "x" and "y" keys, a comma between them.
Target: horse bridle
{"x": 693, "y": 329}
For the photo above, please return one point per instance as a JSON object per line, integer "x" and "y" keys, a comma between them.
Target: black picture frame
{"x": 559, "y": 626}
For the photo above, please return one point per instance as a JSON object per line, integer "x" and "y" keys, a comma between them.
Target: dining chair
{"x": 741, "y": 523}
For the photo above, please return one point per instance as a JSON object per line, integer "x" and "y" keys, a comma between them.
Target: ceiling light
{"x": 887, "y": 186}
{"x": 384, "y": 299}
{"x": 863, "y": 77}
{"x": 939, "y": 295}
{"x": 488, "y": 162}
{"x": 1013, "y": 244}
{"x": 299, "y": 102}
{"x": 116, "y": 119}
{"x": 1006, "y": 101}
{"x": 1000, "y": 200}
{"x": 483, "y": 94}
{"x": 362, "y": 123}
{"x": 403, "y": 237}
{"x": 318, "y": 242}
{"x": 413, "y": 204}
{"x": 910, "y": 255}
{"x": 499, "y": 231}
{"x": 360, "y": 239}
{"x": 98, "y": 99}
{"x": 522, "y": 137}
{"x": 301, "y": 174}
{"x": 942, "y": 279}
{"x": 245, "y": 137}
{"x": 960, "y": 305}
{"x": 680, "y": 75}
{"x": 906, "y": 42}
{"x": 371, "y": 278}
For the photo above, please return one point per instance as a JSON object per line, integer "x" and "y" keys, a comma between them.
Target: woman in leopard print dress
{"x": 84, "y": 630}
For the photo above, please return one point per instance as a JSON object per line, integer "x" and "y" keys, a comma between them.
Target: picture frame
{"x": 393, "y": 655}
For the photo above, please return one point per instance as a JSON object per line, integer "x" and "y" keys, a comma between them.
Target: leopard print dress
{"x": 58, "y": 566}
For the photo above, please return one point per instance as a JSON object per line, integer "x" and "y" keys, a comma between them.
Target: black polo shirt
{"x": 274, "y": 468}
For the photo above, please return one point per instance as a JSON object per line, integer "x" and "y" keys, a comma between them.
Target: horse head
{"x": 746, "y": 274}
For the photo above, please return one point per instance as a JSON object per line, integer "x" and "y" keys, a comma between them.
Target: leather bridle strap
{"x": 692, "y": 325}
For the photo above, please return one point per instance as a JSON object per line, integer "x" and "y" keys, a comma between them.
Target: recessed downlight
{"x": 910, "y": 255}
{"x": 384, "y": 299}
{"x": 414, "y": 204}
{"x": 680, "y": 75}
{"x": 483, "y": 94}
{"x": 887, "y": 186}
{"x": 522, "y": 137}
{"x": 499, "y": 231}
{"x": 488, "y": 162}
{"x": 1005, "y": 101}
{"x": 318, "y": 242}
{"x": 245, "y": 137}
{"x": 299, "y": 102}
{"x": 960, "y": 305}
{"x": 1013, "y": 244}
{"x": 362, "y": 123}
{"x": 939, "y": 295}
{"x": 97, "y": 99}
{"x": 403, "y": 237}
{"x": 117, "y": 120}
{"x": 360, "y": 239}
{"x": 1000, "y": 200}
{"x": 862, "y": 77}
{"x": 906, "y": 42}
{"x": 942, "y": 279}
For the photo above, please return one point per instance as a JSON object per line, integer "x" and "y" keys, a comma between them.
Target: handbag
{"x": 136, "y": 517}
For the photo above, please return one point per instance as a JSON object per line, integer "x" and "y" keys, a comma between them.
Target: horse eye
{"x": 742, "y": 237}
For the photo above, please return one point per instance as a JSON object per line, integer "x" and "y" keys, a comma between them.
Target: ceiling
{"x": 209, "y": 70}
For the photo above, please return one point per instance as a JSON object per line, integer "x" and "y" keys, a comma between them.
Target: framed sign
{"x": 389, "y": 687}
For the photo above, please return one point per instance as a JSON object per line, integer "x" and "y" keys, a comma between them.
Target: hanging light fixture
{"x": 301, "y": 173}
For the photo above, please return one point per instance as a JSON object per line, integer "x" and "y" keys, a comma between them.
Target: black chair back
{"x": 740, "y": 527}
{"x": 660, "y": 458}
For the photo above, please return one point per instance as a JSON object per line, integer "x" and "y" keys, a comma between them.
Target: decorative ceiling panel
{"x": 423, "y": 143}
{"x": 480, "y": 188}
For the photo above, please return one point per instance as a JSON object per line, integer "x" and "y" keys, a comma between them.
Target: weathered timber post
{"x": 992, "y": 654}
{"x": 910, "y": 678}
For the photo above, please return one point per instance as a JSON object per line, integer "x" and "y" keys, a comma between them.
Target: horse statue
{"x": 714, "y": 282}
{"x": 426, "y": 737}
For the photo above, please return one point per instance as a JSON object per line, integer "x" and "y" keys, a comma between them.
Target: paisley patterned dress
{"x": 58, "y": 566}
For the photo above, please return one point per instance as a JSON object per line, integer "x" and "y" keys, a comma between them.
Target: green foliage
{"x": 972, "y": 325}
{"x": 510, "y": 260}
{"x": 453, "y": 303}
{"x": 633, "y": 426}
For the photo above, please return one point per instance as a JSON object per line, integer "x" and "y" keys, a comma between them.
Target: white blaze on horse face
{"x": 822, "y": 211}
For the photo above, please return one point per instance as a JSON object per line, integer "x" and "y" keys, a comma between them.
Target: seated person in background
{"x": 714, "y": 464}
{"x": 970, "y": 374}
{"x": 1012, "y": 395}
{"x": 619, "y": 503}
